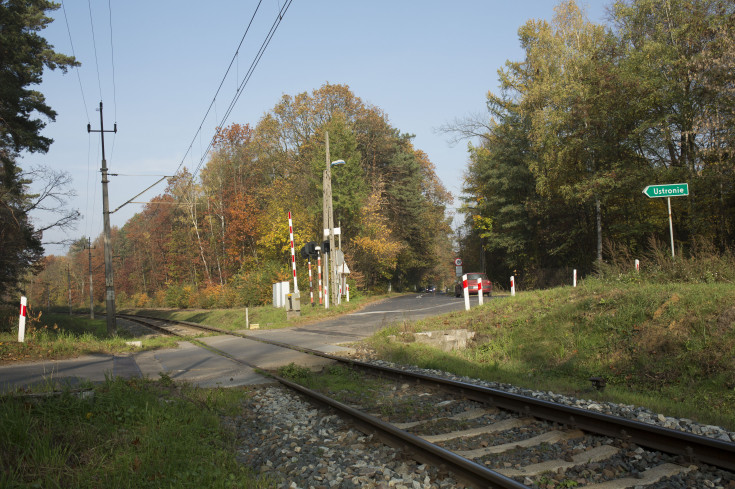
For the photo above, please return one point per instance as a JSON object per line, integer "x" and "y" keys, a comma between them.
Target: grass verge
{"x": 669, "y": 347}
{"x": 131, "y": 433}
{"x": 267, "y": 317}
{"x": 58, "y": 336}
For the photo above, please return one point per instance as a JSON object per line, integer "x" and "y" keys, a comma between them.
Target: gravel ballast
{"x": 284, "y": 436}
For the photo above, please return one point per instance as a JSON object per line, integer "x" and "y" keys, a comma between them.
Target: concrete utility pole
{"x": 91, "y": 294}
{"x": 329, "y": 224}
{"x": 110, "y": 295}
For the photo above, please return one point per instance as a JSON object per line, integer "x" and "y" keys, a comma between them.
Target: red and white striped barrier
{"x": 293, "y": 254}
{"x": 513, "y": 285}
{"x": 22, "y": 319}
{"x": 479, "y": 290}
{"x": 466, "y": 293}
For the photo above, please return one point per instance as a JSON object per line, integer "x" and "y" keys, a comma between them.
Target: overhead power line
{"x": 79, "y": 78}
{"x": 112, "y": 59}
{"x": 224, "y": 77}
{"x": 94, "y": 44}
{"x": 114, "y": 85}
{"x": 245, "y": 81}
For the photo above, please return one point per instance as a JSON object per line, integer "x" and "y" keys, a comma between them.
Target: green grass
{"x": 669, "y": 347}
{"x": 131, "y": 433}
{"x": 59, "y": 336}
{"x": 267, "y": 317}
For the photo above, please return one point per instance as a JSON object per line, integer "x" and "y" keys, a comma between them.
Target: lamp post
{"x": 328, "y": 219}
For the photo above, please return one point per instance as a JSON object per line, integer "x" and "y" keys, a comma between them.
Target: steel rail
{"x": 693, "y": 448}
{"x": 463, "y": 469}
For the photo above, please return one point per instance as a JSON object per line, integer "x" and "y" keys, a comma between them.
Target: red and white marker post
{"x": 319, "y": 271}
{"x": 479, "y": 291}
{"x": 22, "y": 319}
{"x": 311, "y": 285}
{"x": 347, "y": 291}
{"x": 466, "y": 293}
{"x": 637, "y": 265}
{"x": 293, "y": 254}
{"x": 574, "y": 278}
{"x": 513, "y": 285}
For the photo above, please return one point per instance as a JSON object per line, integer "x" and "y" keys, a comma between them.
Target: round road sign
{"x": 458, "y": 262}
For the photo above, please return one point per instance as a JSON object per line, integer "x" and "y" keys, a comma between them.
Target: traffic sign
{"x": 458, "y": 262}
{"x": 670, "y": 190}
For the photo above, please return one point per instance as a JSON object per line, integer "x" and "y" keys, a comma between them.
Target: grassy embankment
{"x": 129, "y": 434}
{"x": 669, "y": 347}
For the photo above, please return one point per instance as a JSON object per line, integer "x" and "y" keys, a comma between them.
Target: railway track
{"x": 504, "y": 440}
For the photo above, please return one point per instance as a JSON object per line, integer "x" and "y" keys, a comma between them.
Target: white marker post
{"x": 22, "y": 320}
{"x": 574, "y": 278}
{"x": 513, "y": 285}
{"x": 293, "y": 254}
{"x": 479, "y": 290}
{"x": 466, "y": 293}
{"x": 347, "y": 291}
{"x": 637, "y": 265}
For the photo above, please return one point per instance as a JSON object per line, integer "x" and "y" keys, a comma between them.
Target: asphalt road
{"x": 359, "y": 325}
{"x": 204, "y": 368}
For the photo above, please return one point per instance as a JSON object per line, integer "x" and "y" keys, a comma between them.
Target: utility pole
{"x": 91, "y": 294}
{"x": 329, "y": 224}
{"x": 110, "y": 289}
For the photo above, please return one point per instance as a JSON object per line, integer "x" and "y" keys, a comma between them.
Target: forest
{"x": 220, "y": 238}
{"x": 591, "y": 116}
{"x": 557, "y": 162}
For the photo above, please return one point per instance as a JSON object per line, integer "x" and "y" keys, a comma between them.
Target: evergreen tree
{"x": 23, "y": 56}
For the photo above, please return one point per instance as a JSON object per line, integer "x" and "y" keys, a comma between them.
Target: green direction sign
{"x": 670, "y": 190}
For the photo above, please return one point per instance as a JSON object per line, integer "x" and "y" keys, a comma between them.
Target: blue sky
{"x": 424, "y": 63}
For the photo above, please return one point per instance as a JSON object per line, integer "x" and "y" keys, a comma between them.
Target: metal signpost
{"x": 668, "y": 191}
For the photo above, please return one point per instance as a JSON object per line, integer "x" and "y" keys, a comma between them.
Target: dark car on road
{"x": 487, "y": 285}
{"x": 430, "y": 289}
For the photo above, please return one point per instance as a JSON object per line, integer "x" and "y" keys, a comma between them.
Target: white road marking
{"x": 402, "y": 310}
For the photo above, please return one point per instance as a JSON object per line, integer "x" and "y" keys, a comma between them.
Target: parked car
{"x": 487, "y": 285}
{"x": 430, "y": 289}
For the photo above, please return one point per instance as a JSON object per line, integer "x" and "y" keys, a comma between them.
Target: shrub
{"x": 256, "y": 286}
{"x": 179, "y": 296}
{"x": 703, "y": 264}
